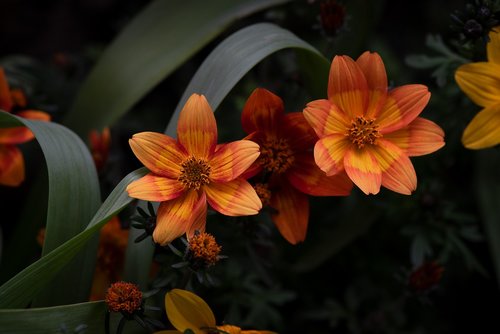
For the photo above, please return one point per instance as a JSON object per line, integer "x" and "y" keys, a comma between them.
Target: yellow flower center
{"x": 204, "y": 247}
{"x": 262, "y": 190}
{"x": 276, "y": 155}
{"x": 363, "y": 131}
{"x": 194, "y": 173}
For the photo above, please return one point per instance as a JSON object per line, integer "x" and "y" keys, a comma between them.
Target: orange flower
{"x": 287, "y": 163}
{"x": 11, "y": 158}
{"x": 189, "y": 171}
{"x": 369, "y": 131}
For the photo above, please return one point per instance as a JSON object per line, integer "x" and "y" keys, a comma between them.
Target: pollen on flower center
{"x": 203, "y": 247}
{"x": 363, "y": 131}
{"x": 264, "y": 193}
{"x": 124, "y": 297}
{"x": 276, "y": 155}
{"x": 194, "y": 173}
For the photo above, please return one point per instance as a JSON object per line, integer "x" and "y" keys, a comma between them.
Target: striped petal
{"x": 21, "y": 134}
{"x": 292, "y": 214}
{"x": 420, "y": 137}
{"x": 398, "y": 173}
{"x": 234, "y": 198}
{"x": 493, "y": 47}
{"x": 231, "y": 160}
{"x": 11, "y": 166}
{"x": 185, "y": 310}
{"x": 402, "y": 106}
{"x": 347, "y": 86}
{"x": 6, "y": 102}
{"x": 161, "y": 154}
{"x": 197, "y": 129}
{"x": 325, "y": 118}
{"x": 329, "y": 153}
{"x": 262, "y": 112}
{"x": 483, "y": 130}
{"x": 309, "y": 179}
{"x": 200, "y": 220}
{"x": 480, "y": 81}
{"x": 363, "y": 169}
{"x": 374, "y": 70}
{"x": 155, "y": 188}
{"x": 175, "y": 217}
{"x": 299, "y": 133}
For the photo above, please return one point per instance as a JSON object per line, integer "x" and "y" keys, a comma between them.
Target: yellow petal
{"x": 232, "y": 159}
{"x": 155, "y": 188}
{"x": 480, "y": 81}
{"x": 11, "y": 166}
{"x": 234, "y": 198}
{"x": 363, "y": 169}
{"x": 329, "y": 153}
{"x": 197, "y": 129}
{"x": 185, "y": 310}
{"x": 483, "y": 131}
{"x": 325, "y": 118}
{"x": 493, "y": 46}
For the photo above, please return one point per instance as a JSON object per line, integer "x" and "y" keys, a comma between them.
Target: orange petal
{"x": 374, "y": 70}
{"x": 234, "y": 198}
{"x": 231, "y": 160}
{"x": 35, "y": 115}
{"x": 297, "y": 130}
{"x": 6, "y": 102}
{"x": 347, "y": 86}
{"x": 21, "y": 134}
{"x": 325, "y": 118}
{"x": 197, "y": 129}
{"x": 262, "y": 112}
{"x": 309, "y": 179}
{"x": 175, "y": 217}
{"x": 11, "y": 166}
{"x": 480, "y": 81}
{"x": 329, "y": 153}
{"x": 161, "y": 154}
{"x": 420, "y": 137}
{"x": 200, "y": 220}
{"x": 363, "y": 169}
{"x": 293, "y": 213}
{"x": 398, "y": 173}
{"x": 483, "y": 130}
{"x": 402, "y": 106}
{"x": 493, "y": 46}
{"x": 155, "y": 188}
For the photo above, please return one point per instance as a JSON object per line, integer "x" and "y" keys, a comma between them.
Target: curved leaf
{"x": 239, "y": 53}
{"x": 154, "y": 44}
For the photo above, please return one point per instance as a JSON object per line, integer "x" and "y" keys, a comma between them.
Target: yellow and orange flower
{"x": 481, "y": 82}
{"x": 188, "y": 172}
{"x": 368, "y": 130}
{"x": 185, "y": 310}
{"x": 286, "y": 164}
{"x": 11, "y": 157}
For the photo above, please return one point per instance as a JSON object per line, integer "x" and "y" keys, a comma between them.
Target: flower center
{"x": 363, "y": 131}
{"x": 194, "y": 173}
{"x": 264, "y": 193}
{"x": 276, "y": 155}
{"x": 124, "y": 297}
{"x": 203, "y": 247}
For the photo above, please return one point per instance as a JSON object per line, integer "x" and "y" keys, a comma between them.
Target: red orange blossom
{"x": 189, "y": 172}
{"x": 286, "y": 167}
{"x": 368, "y": 130}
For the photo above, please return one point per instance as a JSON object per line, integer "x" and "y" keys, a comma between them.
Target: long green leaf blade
{"x": 154, "y": 44}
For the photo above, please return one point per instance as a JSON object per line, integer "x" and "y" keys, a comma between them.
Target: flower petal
{"x": 231, "y": 160}
{"x": 325, "y": 118}
{"x": 403, "y": 105}
{"x": 298, "y": 132}
{"x": 347, "y": 86}
{"x": 6, "y": 102}
{"x": 493, "y": 46}
{"x": 11, "y": 166}
{"x": 398, "y": 173}
{"x": 483, "y": 130}
{"x": 480, "y": 81}
{"x": 363, "y": 169}
{"x": 420, "y": 137}
{"x": 293, "y": 212}
{"x": 329, "y": 153}
{"x": 200, "y": 220}
{"x": 175, "y": 217}
{"x": 197, "y": 129}
{"x": 234, "y": 198}
{"x": 155, "y": 188}
{"x": 374, "y": 70}
{"x": 185, "y": 310}
{"x": 309, "y": 179}
{"x": 161, "y": 154}
{"x": 21, "y": 134}
{"x": 262, "y": 112}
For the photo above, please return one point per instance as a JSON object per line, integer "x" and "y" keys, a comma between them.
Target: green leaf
{"x": 22, "y": 288}
{"x": 155, "y": 43}
{"x": 235, "y": 56}
{"x": 73, "y": 197}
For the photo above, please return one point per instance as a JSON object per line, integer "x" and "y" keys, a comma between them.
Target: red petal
{"x": 262, "y": 112}
{"x": 21, "y": 134}
{"x": 11, "y": 166}
{"x": 298, "y": 132}
{"x": 5, "y": 97}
